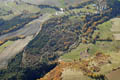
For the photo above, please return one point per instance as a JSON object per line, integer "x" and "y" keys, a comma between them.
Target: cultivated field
{"x": 58, "y": 3}
{"x": 77, "y": 53}
{"x": 116, "y": 28}
{"x": 115, "y": 25}
{"x": 105, "y": 30}
{"x": 71, "y": 74}
{"x": 115, "y": 63}
{"x": 114, "y": 75}
{"x": 116, "y": 36}
{"x": 108, "y": 43}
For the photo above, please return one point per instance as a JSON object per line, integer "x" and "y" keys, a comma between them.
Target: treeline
{"x": 81, "y": 5}
{"x": 90, "y": 26}
{"x": 48, "y": 6}
{"x": 115, "y": 5}
{"x": 16, "y": 71}
{"x": 57, "y": 34}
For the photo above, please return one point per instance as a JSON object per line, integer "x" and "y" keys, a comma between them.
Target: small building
{"x": 56, "y": 13}
{"x": 61, "y": 10}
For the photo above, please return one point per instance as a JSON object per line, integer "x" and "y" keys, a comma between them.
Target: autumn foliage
{"x": 56, "y": 73}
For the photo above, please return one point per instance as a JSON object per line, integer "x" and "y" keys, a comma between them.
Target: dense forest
{"x": 70, "y": 30}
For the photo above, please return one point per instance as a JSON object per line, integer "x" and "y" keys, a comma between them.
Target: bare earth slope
{"x": 29, "y": 30}
{"x": 12, "y": 50}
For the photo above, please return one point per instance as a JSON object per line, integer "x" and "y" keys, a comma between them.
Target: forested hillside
{"x": 59, "y": 35}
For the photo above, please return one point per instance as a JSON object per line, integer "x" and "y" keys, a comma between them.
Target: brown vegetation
{"x": 56, "y": 73}
{"x": 91, "y": 70}
{"x": 1, "y": 42}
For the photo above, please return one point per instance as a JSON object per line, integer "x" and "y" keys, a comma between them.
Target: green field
{"x": 12, "y": 9}
{"x": 75, "y": 53}
{"x": 115, "y": 59}
{"x": 105, "y": 30}
{"x": 87, "y": 9}
{"x": 106, "y": 46}
{"x": 115, "y": 25}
